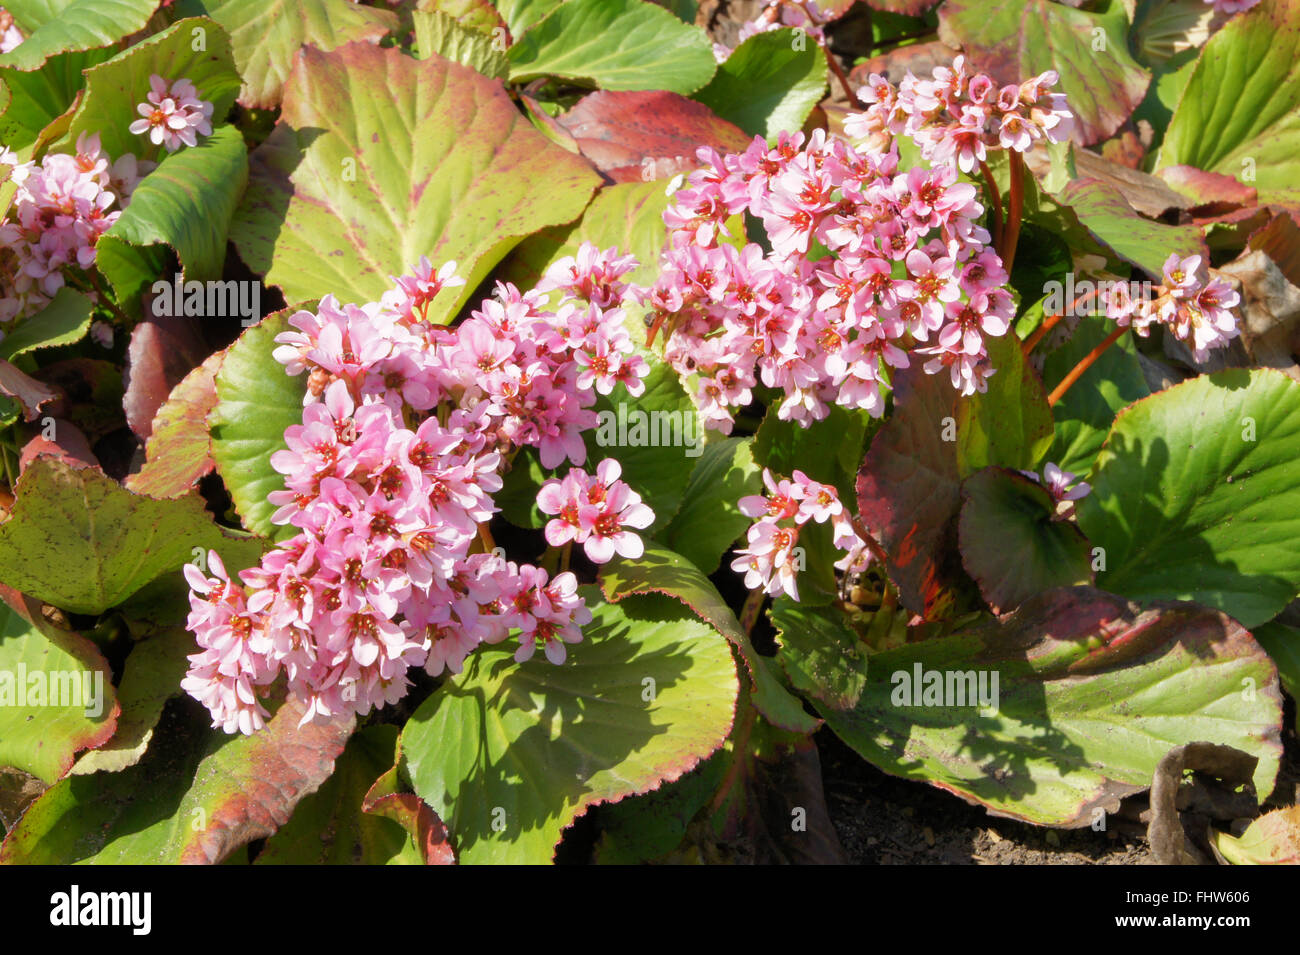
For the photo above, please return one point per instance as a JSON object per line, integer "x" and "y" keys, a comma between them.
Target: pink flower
{"x": 173, "y": 115}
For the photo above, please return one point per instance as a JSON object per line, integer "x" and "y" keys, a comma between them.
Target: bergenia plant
{"x": 423, "y": 427}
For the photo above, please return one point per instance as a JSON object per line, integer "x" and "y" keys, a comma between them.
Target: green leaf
{"x": 709, "y": 520}
{"x": 33, "y": 101}
{"x": 616, "y": 45}
{"x": 256, "y": 401}
{"x": 656, "y": 437}
{"x": 769, "y": 84}
{"x": 663, "y": 572}
{"x": 1135, "y": 239}
{"x": 1010, "y": 424}
{"x": 72, "y": 26}
{"x": 1004, "y": 512}
{"x": 1090, "y": 693}
{"x": 1017, "y": 41}
{"x": 530, "y": 746}
{"x": 380, "y": 159}
{"x": 80, "y": 541}
{"x": 267, "y": 34}
{"x": 187, "y": 204}
{"x": 1238, "y": 114}
{"x": 478, "y": 15}
{"x": 1086, "y": 411}
{"x": 36, "y": 735}
{"x": 1195, "y": 497}
{"x": 522, "y": 14}
{"x": 197, "y": 795}
{"x": 116, "y": 88}
{"x": 829, "y": 451}
{"x": 64, "y": 321}
{"x": 330, "y": 828}
{"x": 628, "y": 216}
{"x": 439, "y": 33}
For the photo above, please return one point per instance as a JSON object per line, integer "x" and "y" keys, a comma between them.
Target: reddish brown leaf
{"x": 918, "y": 58}
{"x": 24, "y": 389}
{"x": 641, "y": 135}
{"x": 251, "y": 794}
{"x": 1211, "y": 193}
{"x": 414, "y": 815}
{"x": 1147, "y": 194}
{"x": 178, "y": 451}
{"x": 66, "y": 442}
{"x": 908, "y": 490}
{"x": 163, "y": 350}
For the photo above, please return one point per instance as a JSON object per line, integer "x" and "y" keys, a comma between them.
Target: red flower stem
{"x": 1011, "y": 235}
{"x": 1052, "y": 321}
{"x": 831, "y": 61}
{"x": 1077, "y": 371}
{"x": 995, "y": 203}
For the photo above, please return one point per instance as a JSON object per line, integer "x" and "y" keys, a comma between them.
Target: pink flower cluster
{"x": 595, "y": 512}
{"x": 956, "y": 117}
{"x": 772, "y": 559}
{"x": 866, "y": 263}
{"x": 1196, "y": 311}
{"x": 173, "y": 114}
{"x": 62, "y": 206}
{"x": 407, "y": 427}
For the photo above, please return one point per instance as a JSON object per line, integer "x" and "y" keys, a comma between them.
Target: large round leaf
{"x": 1240, "y": 112}
{"x": 510, "y": 754}
{"x": 56, "y": 692}
{"x": 80, "y": 541}
{"x": 616, "y": 45}
{"x": 1085, "y": 693}
{"x": 380, "y": 159}
{"x": 196, "y": 797}
{"x": 267, "y": 35}
{"x": 1196, "y": 495}
{"x": 63, "y": 26}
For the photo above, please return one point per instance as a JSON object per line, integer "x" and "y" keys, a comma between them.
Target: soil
{"x": 883, "y": 820}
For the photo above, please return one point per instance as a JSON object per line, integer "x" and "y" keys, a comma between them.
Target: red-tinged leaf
{"x": 179, "y": 449}
{"x": 909, "y": 491}
{"x": 27, "y": 391}
{"x": 379, "y": 159}
{"x": 66, "y": 443}
{"x": 41, "y": 738}
{"x": 1279, "y": 239}
{"x": 1272, "y": 839}
{"x": 1048, "y": 714}
{"x": 195, "y": 797}
{"x": 1016, "y": 41}
{"x": 163, "y": 350}
{"x": 1147, "y": 194}
{"x": 414, "y": 815}
{"x": 1104, "y": 212}
{"x": 919, "y": 59}
{"x": 1211, "y": 193}
{"x": 634, "y": 136}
